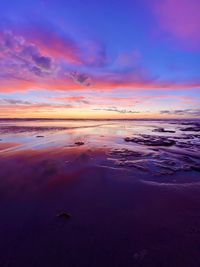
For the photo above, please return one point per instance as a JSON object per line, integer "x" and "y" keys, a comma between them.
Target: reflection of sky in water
{"x": 93, "y": 133}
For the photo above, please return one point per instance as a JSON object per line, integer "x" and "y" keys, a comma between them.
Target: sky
{"x": 100, "y": 59}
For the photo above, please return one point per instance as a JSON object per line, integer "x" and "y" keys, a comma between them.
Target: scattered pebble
{"x": 64, "y": 215}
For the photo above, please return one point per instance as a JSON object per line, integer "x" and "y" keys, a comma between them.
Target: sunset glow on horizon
{"x": 100, "y": 59}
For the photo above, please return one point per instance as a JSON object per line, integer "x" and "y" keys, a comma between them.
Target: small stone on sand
{"x": 64, "y": 215}
{"x": 79, "y": 143}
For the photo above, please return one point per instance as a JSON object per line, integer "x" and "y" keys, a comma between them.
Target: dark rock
{"x": 190, "y": 123}
{"x": 40, "y": 136}
{"x": 150, "y": 140}
{"x": 129, "y": 139}
{"x": 79, "y": 143}
{"x": 162, "y": 130}
{"x": 183, "y": 137}
{"x": 126, "y": 153}
{"x": 196, "y": 168}
{"x": 163, "y": 162}
{"x": 191, "y": 129}
{"x": 196, "y": 135}
{"x": 64, "y": 215}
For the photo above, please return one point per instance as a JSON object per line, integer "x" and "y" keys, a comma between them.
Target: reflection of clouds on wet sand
{"x": 157, "y": 149}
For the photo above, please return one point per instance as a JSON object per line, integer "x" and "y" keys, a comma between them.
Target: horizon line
{"x": 100, "y": 119}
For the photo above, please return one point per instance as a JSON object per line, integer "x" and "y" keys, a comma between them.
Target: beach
{"x": 99, "y": 193}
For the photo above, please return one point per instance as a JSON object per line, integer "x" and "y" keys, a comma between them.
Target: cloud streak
{"x": 182, "y": 112}
{"x": 7, "y": 103}
{"x": 118, "y": 110}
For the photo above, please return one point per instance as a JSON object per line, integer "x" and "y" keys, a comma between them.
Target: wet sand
{"x": 127, "y": 208}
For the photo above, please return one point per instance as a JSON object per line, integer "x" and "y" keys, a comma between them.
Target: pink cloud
{"x": 54, "y": 43}
{"x": 181, "y": 20}
{"x": 104, "y": 83}
{"x": 51, "y": 42}
{"x": 10, "y": 104}
{"x": 24, "y": 65}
